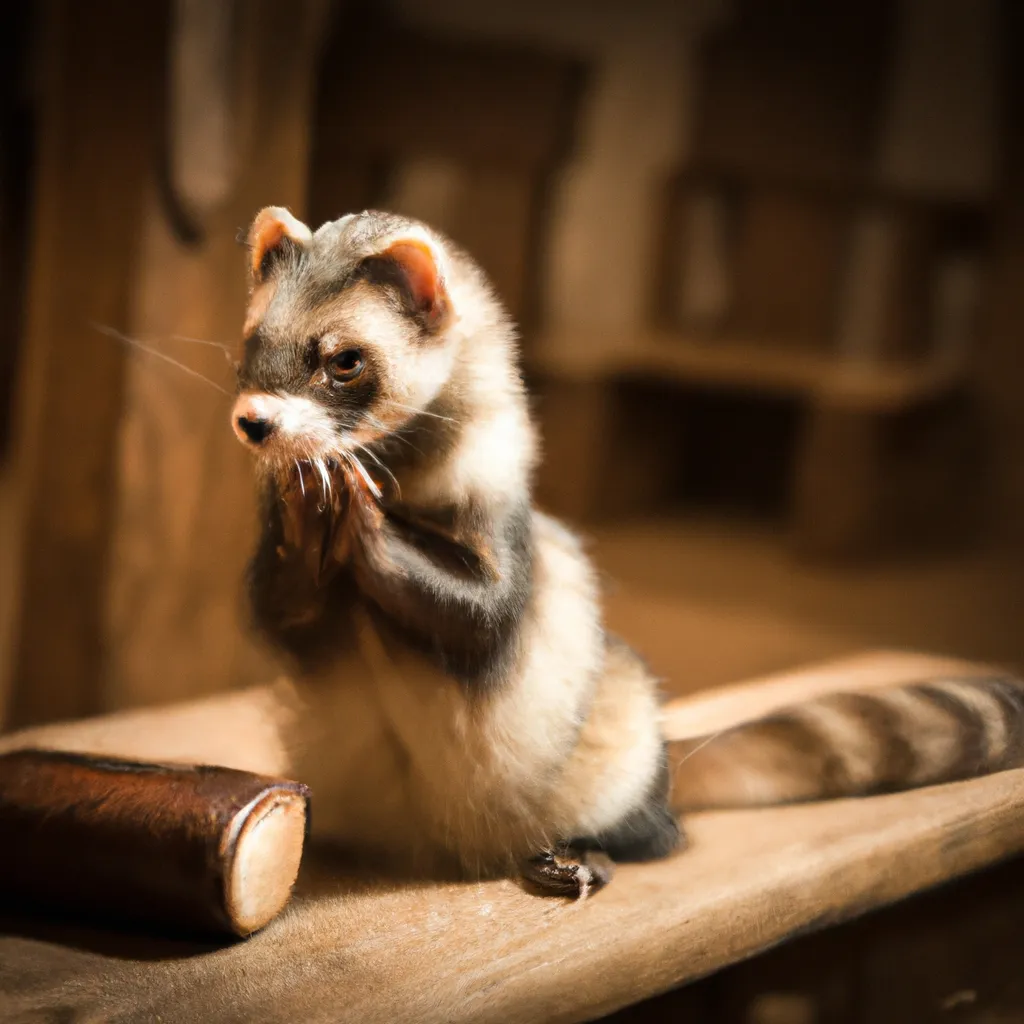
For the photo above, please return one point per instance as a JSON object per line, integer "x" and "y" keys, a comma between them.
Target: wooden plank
{"x": 723, "y": 706}
{"x": 99, "y": 125}
{"x": 352, "y": 949}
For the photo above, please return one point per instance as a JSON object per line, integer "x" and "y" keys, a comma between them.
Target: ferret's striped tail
{"x": 856, "y": 744}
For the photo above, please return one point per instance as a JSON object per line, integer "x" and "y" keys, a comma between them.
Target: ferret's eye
{"x": 346, "y": 366}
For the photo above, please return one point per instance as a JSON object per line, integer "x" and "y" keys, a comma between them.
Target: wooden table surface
{"x": 351, "y": 950}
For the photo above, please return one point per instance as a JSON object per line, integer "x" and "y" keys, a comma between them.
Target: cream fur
{"x": 404, "y": 760}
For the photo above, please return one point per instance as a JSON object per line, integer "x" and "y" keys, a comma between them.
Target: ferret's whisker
{"x": 302, "y": 482}
{"x": 226, "y": 349}
{"x": 395, "y": 435}
{"x": 365, "y": 450}
{"x": 325, "y": 480}
{"x": 399, "y": 436}
{"x": 367, "y": 479}
{"x": 700, "y": 746}
{"x": 376, "y": 458}
{"x": 422, "y": 412}
{"x": 143, "y": 347}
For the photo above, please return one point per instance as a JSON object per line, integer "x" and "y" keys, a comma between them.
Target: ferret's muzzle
{"x": 254, "y": 419}
{"x": 285, "y": 427}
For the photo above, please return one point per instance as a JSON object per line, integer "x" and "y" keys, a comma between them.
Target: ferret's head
{"x": 348, "y": 334}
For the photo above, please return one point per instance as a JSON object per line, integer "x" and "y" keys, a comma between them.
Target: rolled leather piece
{"x": 172, "y": 847}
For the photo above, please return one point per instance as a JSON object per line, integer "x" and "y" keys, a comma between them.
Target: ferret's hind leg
{"x": 567, "y": 871}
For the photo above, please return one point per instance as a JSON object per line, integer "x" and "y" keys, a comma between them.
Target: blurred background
{"x": 767, "y": 255}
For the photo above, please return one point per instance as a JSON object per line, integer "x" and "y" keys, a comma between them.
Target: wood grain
{"x": 354, "y": 949}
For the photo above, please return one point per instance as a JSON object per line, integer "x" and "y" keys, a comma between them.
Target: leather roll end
{"x": 263, "y": 863}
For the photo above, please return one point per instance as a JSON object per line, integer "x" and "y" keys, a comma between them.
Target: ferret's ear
{"x": 411, "y": 267}
{"x": 274, "y": 233}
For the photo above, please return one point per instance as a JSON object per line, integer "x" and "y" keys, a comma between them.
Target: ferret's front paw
{"x": 363, "y": 514}
{"x": 309, "y": 505}
{"x": 576, "y": 874}
{"x": 311, "y": 508}
{"x": 366, "y": 495}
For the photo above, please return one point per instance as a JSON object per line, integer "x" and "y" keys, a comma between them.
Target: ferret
{"x": 462, "y": 706}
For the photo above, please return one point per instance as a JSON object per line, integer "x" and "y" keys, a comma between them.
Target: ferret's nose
{"x": 253, "y": 420}
{"x": 256, "y": 430}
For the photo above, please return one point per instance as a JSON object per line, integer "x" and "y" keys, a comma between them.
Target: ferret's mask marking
{"x": 344, "y": 334}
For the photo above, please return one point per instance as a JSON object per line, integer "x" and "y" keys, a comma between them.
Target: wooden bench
{"x": 351, "y": 948}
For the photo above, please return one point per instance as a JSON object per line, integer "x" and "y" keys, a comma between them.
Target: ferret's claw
{"x": 575, "y": 874}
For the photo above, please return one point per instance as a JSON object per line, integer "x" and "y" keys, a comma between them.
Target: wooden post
{"x": 99, "y": 118}
{"x": 134, "y": 506}
{"x": 186, "y": 516}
